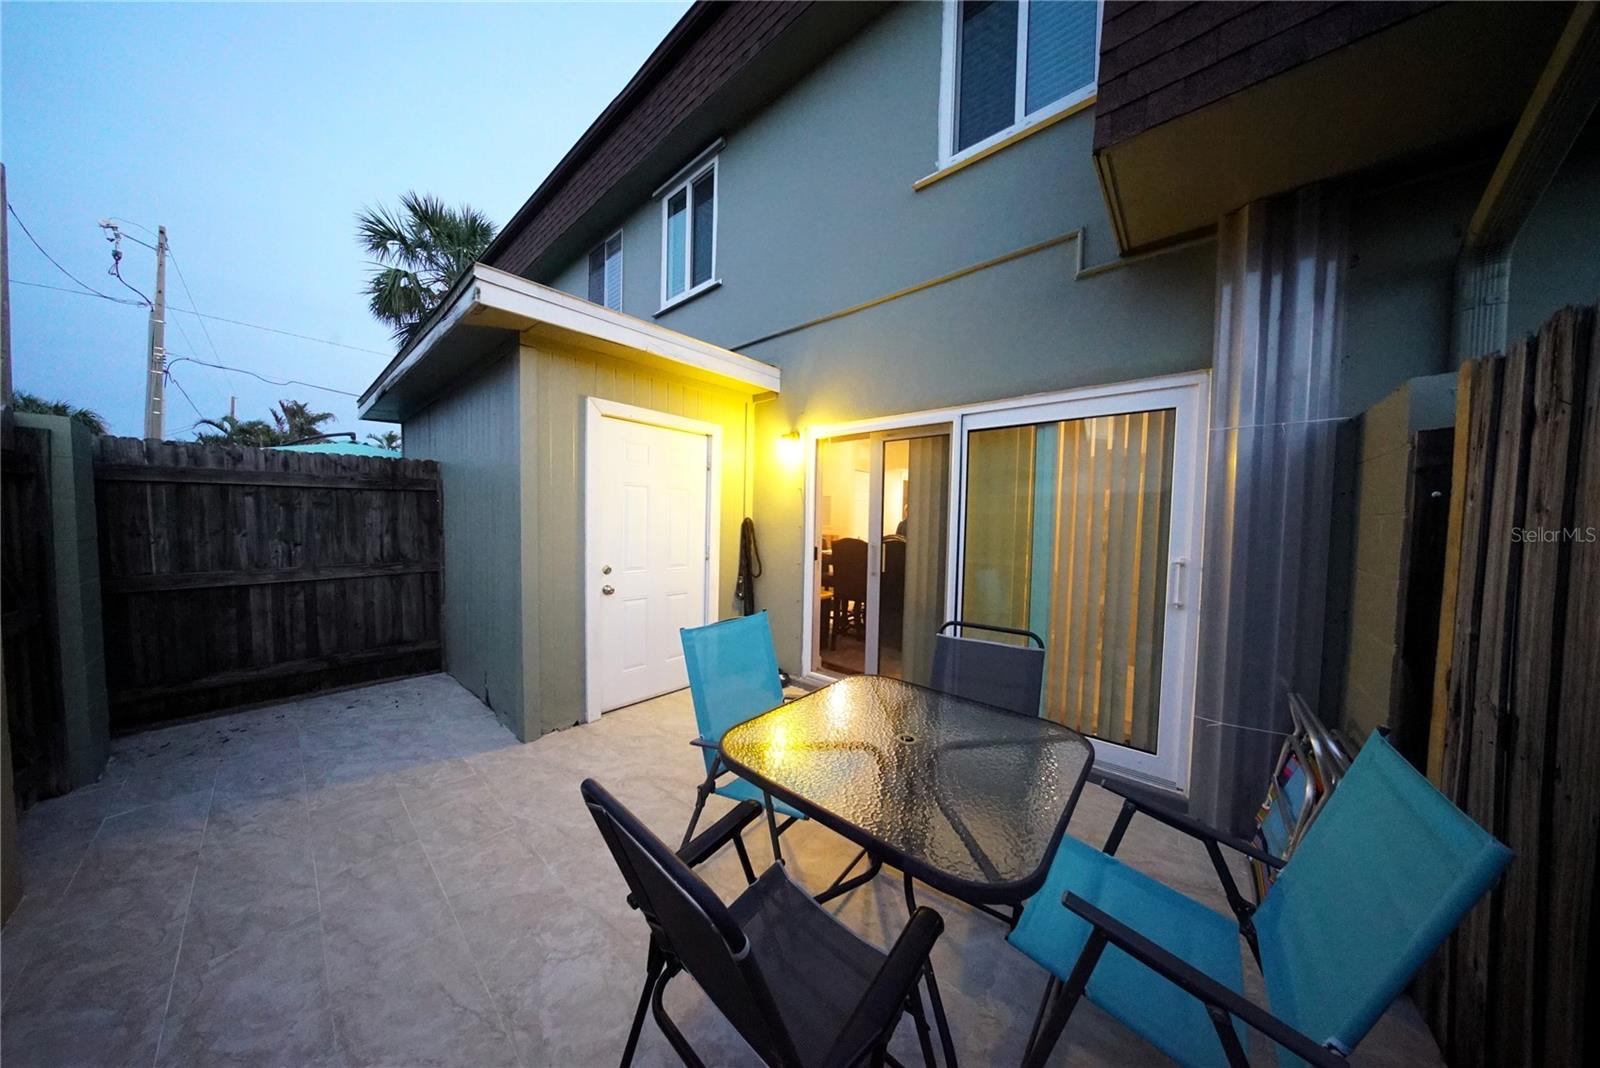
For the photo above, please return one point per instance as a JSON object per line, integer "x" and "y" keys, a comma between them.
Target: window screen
{"x": 1061, "y": 49}
{"x": 987, "y": 87}
{"x": 705, "y": 206}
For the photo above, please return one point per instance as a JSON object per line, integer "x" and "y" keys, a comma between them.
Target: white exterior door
{"x": 651, "y": 568}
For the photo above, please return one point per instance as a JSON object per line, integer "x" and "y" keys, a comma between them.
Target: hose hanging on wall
{"x": 749, "y": 567}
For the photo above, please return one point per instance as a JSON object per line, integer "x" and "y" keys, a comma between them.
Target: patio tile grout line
{"x": 188, "y": 906}
{"x": 494, "y": 1002}
{"x": 316, "y": 882}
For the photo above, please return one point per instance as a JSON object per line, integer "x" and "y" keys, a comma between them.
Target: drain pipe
{"x": 1556, "y": 113}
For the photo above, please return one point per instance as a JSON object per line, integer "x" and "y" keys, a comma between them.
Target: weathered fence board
{"x": 1521, "y": 752}
{"x": 233, "y": 575}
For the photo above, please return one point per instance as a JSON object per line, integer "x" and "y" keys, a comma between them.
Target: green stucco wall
{"x": 817, "y": 214}
{"x": 474, "y": 433}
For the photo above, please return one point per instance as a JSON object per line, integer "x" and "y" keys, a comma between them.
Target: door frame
{"x": 958, "y": 417}
{"x": 596, "y": 411}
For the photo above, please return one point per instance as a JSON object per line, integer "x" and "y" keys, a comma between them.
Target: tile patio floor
{"x": 385, "y": 876}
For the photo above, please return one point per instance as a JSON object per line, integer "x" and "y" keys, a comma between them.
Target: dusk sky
{"x": 254, "y": 133}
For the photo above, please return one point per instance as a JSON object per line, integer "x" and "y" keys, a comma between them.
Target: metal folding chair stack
{"x": 1310, "y": 764}
{"x": 1378, "y": 881}
{"x": 1002, "y": 674}
{"x": 800, "y": 987}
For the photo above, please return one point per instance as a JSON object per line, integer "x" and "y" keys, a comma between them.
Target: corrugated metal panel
{"x": 473, "y": 432}
{"x": 565, "y": 377}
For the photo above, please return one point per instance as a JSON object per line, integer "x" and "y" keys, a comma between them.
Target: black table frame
{"x": 983, "y": 896}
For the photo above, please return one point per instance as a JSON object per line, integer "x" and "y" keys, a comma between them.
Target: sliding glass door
{"x": 1078, "y": 524}
{"x": 882, "y": 524}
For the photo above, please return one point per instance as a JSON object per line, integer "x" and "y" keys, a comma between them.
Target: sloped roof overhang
{"x": 488, "y": 308}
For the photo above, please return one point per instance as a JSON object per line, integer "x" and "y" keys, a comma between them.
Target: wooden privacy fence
{"x": 1517, "y": 739}
{"x": 233, "y": 575}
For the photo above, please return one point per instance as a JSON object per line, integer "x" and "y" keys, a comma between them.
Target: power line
{"x": 195, "y": 304}
{"x": 78, "y": 292}
{"x": 173, "y": 379}
{"x": 202, "y": 315}
{"x": 90, "y": 290}
{"x": 264, "y": 378}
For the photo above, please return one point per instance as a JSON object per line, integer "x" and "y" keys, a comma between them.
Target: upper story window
{"x": 605, "y": 272}
{"x": 689, "y": 234}
{"x": 1009, "y": 64}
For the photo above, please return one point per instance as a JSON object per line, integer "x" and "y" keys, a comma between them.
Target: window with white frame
{"x": 605, "y": 272}
{"x": 689, "y": 235}
{"x": 1009, "y": 64}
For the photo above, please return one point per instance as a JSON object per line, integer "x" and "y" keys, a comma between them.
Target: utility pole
{"x": 156, "y": 381}
{"x": 5, "y": 299}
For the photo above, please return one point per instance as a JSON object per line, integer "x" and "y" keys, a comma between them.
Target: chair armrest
{"x": 1197, "y": 983}
{"x": 1181, "y": 821}
{"x": 880, "y": 1007}
{"x": 720, "y": 833}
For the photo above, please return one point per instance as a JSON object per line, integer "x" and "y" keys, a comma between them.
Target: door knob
{"x": 608, "y": 589}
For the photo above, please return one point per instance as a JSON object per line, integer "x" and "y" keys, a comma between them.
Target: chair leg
{"x": 1050, "y": 985}
{"x": 1232, "y": 1048}
{"x": 841, "y": 885}
{"x": 654, "y": 963}
{"x": 702, "y": 792}
{"x": 744, "y": 858}
{"x": 680, "y": 1044}
{"x": 935, "y": 1002}
{"x": 1055, "y": 1020}
{"x": 924, "y": 1034}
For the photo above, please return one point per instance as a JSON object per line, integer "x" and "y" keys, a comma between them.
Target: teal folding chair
{"x": 1386, "y": 872}
{"x": 733, "y": 676}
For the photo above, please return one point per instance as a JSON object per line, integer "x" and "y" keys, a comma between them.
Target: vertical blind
{"x": 987, "y": 92}
{"x": 1067, "y": 530}
{"x": 705, "y": 205}
{"x": 1061, "y": 49}
{"x": 1058, "y": 44}
{"x": 927, "y": 516}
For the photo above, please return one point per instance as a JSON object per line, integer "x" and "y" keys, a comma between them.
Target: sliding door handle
{"x": 1178, "y": 582}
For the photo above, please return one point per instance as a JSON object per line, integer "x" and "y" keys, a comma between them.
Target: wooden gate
{"x": 1517, "y": 739}
{"x": 232, "y": 576}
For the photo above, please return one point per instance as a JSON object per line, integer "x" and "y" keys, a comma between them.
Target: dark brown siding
{"x": 1162, "y": 60}
{"x": 738, "y": 33}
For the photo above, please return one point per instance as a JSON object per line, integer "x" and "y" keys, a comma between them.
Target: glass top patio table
{"x": 964, "y": 797}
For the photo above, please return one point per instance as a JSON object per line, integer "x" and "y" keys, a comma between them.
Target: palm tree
{"x": 389, "y": 439}
{"x": 295, "y": 420}
{"x": 230, "y": 430}
{"x": 32, "y": 402}
{"x": 420, "y": 250}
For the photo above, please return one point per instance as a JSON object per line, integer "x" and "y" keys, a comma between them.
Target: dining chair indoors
{"x": 799, "y": 987}
{"x": 733, "y": 676}
{"x": 1386, "y": 872}
{"x": 1001, "y": 674}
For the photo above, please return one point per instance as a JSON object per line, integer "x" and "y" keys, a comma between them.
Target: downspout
{"x": 1556, "y": 113}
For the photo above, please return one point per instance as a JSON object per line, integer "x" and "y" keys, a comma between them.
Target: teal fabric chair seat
{"x": 1381, "y": 878}
{"x": 733, "y": 676}
{"x": 1174, "y": 1021}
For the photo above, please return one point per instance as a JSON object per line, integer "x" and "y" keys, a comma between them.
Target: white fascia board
{"x": 511, "y": 293}
{"x": 531, "y": 304}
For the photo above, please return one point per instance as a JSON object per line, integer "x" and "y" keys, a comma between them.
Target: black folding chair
{"x": 995, "y": 673}
{"x": 798, "y": 986}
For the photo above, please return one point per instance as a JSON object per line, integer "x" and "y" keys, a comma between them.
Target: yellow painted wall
{"x": 554, "y": 402}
